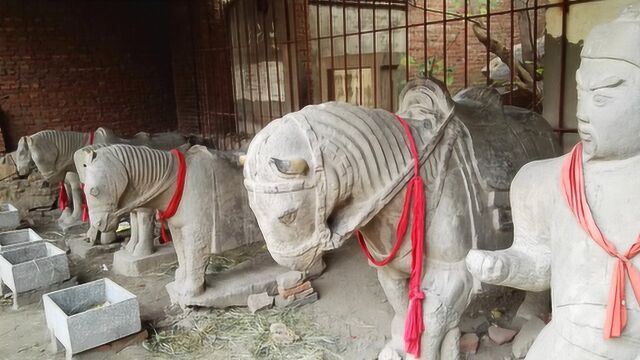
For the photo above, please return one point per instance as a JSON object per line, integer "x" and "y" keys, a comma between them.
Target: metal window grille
{"x": 261, "y": 59}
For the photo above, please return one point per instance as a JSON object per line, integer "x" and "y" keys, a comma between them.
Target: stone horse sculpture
{"x": 317, "y": 175}
{"x": 211, "y": 215}
{"x": 52, "y": 153}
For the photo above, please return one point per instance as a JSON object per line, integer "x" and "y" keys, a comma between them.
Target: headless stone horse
{"x": 318, "y": 174}
{"x": 52, "y": 153}
{"x": 211, "y": 215}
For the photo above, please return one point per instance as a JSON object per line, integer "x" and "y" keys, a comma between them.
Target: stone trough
{"x": 31, "y": 267}
{"x": 9, "y": 217}
{"x": 89, "y": 315}
{"x": 14, "y": 239}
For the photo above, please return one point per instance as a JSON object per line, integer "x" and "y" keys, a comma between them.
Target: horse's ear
{"x": 27, "y": 140}
{"x": 291, "y": 167}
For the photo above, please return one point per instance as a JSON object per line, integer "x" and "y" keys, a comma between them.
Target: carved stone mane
{"x": 148, "y": 171}
{"x": 65, "y": 143}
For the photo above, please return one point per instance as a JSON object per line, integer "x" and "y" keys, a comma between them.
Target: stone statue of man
{"x": 577, "y": 217}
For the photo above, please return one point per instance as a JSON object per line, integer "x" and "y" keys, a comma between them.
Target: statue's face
{"x": 609, "y": 108}
{"x": 23, "y": 158}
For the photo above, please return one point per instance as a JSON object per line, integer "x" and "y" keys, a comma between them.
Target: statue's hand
{"x": 488, "y": 266}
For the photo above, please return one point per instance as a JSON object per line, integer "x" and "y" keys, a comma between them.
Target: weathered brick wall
{"x": 80, "y": 64}
{"x": 183, "y": 62}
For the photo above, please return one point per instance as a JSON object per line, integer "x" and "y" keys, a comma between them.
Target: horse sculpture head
{"x": 120, "y": 178}
{"x": 316, "y": 175}
{"x": 24, "y": 162}
{"x": 45, "y": 155}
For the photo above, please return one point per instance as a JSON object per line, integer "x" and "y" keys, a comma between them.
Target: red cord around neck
{"x": 176, "y": 198}
{"x": 414, "y": 325}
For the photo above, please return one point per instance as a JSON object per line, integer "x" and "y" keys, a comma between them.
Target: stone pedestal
{"x": 124, "y": 263}
{"x": 80, "y": 247}
{"x": 232, "y": 287}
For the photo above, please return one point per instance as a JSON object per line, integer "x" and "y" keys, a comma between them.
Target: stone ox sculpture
{"x": 210, "y": 217}
{"x": 317, "y": 175}
{"x": 576, "y": 216}
{"x": 51, "y": 151}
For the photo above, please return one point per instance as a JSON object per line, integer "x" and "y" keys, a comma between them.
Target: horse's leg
{"x": 66, "y": 212}
{"x": 141, "y": 242}
{"x": 145, "y": 232}
{"x": 76, "y": 196}
{"x": 446, "y": 282}
{"x": 196, "y": 246}
{"x": 134, "y": 238}
{"x": 447, "y": 288}
{"x": 180, "y": 274}
{"x": 395, "y": 288}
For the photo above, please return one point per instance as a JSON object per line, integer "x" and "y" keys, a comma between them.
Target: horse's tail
{"x": 425, "y": 96}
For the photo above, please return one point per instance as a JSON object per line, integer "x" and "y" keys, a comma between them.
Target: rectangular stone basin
{"x": 89, "y": 315}
{"x": 17, "y": 238}
{"x": 33, "y": 266}
{"x": 9, "y": 217}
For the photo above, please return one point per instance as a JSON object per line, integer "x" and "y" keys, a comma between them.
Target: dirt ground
{"x": 351, "y": 319}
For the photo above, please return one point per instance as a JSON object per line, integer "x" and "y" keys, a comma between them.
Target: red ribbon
{"x": 572, "y": 184}
{"x": 63, "y": 198}
{"x": 414, "y": 324}
{"x": 176, "y": 198}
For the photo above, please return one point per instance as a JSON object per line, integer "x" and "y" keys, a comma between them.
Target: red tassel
{"x": 85, "y": 206}
{"x": 414, "y": 324}
{"x": 63, "y": 199}
{"x": 176, "y": 198}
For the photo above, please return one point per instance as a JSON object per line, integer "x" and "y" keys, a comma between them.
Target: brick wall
{"x": 85, "y": 63}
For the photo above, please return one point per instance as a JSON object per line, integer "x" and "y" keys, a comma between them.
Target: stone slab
{"x": 124, "y": 263}
{"x": 80, "y": 247}
{"x": 89, "y": 315}
{"x": 17, "y": 238}
{"x": 233, "y": 287}
{"x": 9, "y": 217}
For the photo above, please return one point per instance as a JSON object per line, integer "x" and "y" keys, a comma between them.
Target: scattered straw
{"x": 229, "y": 259}
{"x": 238, "y": 334}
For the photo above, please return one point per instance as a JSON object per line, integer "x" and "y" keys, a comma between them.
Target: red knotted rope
{"x": 413, "y": 326}
{"x": 85, "y": 206}
{"x": 63, "y": 198}
{"x": 175, "y": 199}
{"x": 572, "y": 185}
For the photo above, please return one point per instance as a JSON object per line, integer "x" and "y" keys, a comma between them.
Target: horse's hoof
{"x": 389, "y": 353}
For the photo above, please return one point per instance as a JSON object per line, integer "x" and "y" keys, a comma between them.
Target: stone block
{"x": 89, "y": 315}
{"x": 233, "y": 287}
{"x": 304, "y": 301}
{"x": 260, "y": 301}
{"x": 17, "y": 238}
{"x": 31, "y": 267}
{"x": 9, "y": 217}
{"x": 500, "y": 335}
{"x": 124, "y": 263}
{"x": 81, "y": 247}
{"x": 298, "y": 289}
{"x": 469, "y": 343}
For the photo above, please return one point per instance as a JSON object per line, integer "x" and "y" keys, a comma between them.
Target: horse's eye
{"x": 288, "y": 217}
{"x": 94, "y": 191}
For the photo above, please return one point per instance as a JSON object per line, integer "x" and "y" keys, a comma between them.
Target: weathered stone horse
{"x": 318, "y": 174}
{"x": 211, "y": 216}
{"x": 52, "y": 152}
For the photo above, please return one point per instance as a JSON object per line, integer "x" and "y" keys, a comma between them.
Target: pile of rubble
{"x": 293, "y": 290}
